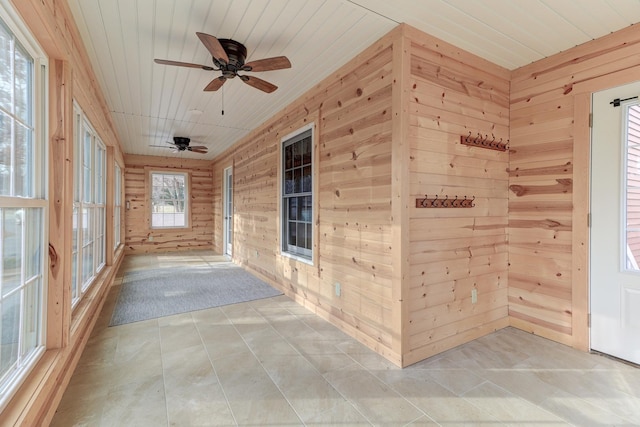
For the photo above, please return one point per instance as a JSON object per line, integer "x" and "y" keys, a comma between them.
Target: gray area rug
{"x": 156, "y": 293}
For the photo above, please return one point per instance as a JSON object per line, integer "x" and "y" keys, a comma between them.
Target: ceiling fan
{"x": 228, "y": 56}
{"x": 181, "y": 143}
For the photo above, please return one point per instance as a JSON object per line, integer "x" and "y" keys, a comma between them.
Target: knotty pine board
{"x": 548, "y": 279}
{"x": 456, "y": 250}
{"x": 352, "y": 115}
{"x": 199, "y": 235}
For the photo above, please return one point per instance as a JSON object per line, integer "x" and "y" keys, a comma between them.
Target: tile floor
{"x": 273, "y": 363}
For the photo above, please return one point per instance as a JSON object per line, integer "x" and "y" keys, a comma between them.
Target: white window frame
{"x": 33, "y": 247}
{"x": 89, "y": 205}
{"x": 117, "y": 206}
{"x": 186, "y": 201}
{"x": 302, "y": 254}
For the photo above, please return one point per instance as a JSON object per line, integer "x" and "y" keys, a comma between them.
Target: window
{"x": 117, "y": 206}
{"x": 169, "y": 199}
{"x": 631, "y": 184}
{"x": 88, "y": 253}
{"x": 23, "y": 207}
{"x": 297, "y": 195}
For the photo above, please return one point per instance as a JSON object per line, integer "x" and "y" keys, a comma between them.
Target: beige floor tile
{"x": 364, "y": 356}
{"x": 436, "y": 401}
{"x": 273, "y": 362}
{"x": 423, "y": 421}
{"x": 264, "y": 342}
{"x": 133, "y": 371}
{"x": 254, "y": 399}
{"x": 187, "y": 366}
{"x": 210, "y": 316}
{"x": 267, "y": 409}
{"x": 81, "y": 405}
{"x": 78, "y": 416}
{"x": 138, "y": 404}
{"x": 341, "y": 415}
{"x": 579, "y": 412}
{"x": 193, "y": 391}
{"x": 178, "y": 332}
{"x": 603, "y": 389}
{"x": 377, "y": 401}
{"x": 521, "y": 382}
{"x": 199, "y": 406}
{"x": 214, "y": 335}
{"x": 459, "y": 381}
{"x": 323, "y": 355}
{"x": 508, "y": 407}
{"x": 303, "y": 386}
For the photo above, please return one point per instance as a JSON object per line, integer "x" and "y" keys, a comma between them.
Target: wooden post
{"x": 61, "y": 204}
{"x": 400, "y": 194}
{"x": 109, "y": 205}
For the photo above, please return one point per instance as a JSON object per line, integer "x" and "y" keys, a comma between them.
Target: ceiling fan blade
{"x": 199, "y": 147}
{"x": 183, "y": 64}
{"x": 215, "y": 84}
{"x": 159, "y": 146}
{"x": 214, "y": 47}
{"x": 259, "y": 83}
{"x": 268, "y": 64}
{"x": 196, "y": 150}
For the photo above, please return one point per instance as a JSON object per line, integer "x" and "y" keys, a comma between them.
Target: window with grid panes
{"x": 117, "y": 206}
{"x": 297, "y": 195}
{"x": 89, "y": 206}
{"x": 23, "y": 207}
{"x": 169, "y": 199}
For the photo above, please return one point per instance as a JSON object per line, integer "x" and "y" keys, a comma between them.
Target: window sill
{"x": 308, "y": 261}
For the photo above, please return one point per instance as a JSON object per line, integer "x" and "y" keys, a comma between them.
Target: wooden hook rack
{"x": 445, "y": 203}
{"x": 484, "y": 142}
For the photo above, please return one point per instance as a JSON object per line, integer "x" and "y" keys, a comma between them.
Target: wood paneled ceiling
{"x": 152, "y": 103}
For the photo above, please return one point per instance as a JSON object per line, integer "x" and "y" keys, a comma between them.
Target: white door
{"x": 228, "y": 211}
{"x": 615, "y": 223}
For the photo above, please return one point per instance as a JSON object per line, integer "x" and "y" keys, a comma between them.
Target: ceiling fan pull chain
{"x": 223, "y": 101}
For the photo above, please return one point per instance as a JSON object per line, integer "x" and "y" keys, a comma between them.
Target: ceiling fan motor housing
{"x": 237, "y": 53}
{"x": 181, "y": 142}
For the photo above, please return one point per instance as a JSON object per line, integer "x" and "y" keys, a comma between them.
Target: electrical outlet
{"x": 151, "y": 238}
{"x": 474, "y": 296}
{"x": 338, "y": 290}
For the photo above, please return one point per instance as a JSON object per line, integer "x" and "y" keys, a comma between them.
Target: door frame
{"x": 580, "y": 246}
{"x": 227, "y": 214}
{"x": 610, "y": 332}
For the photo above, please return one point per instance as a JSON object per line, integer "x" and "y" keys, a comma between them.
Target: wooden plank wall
{"x": 454, "y": 251}
{"x": 548, "y": 181}
{"x": 138, "y": 232}
{"x": 351, "y": 111}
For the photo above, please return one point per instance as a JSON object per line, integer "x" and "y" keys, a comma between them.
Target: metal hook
{"x": 493, "y": 144}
